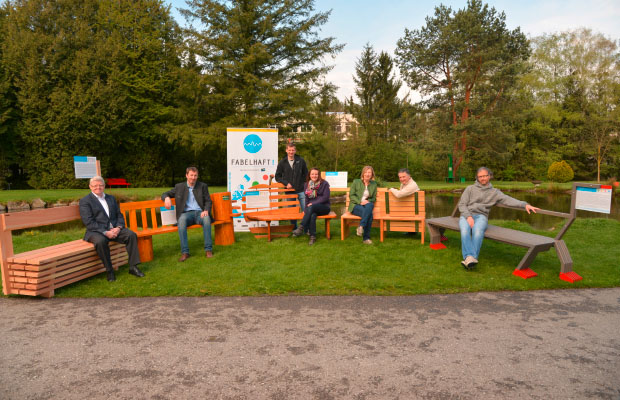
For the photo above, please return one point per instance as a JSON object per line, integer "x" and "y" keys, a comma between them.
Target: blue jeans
{"x": 189, "y": 218}
{"x": 310, "y": 215}
{"x": 365, "y": 212}
{"x": 302, "y": 206}
{"x": 471, "y": 238}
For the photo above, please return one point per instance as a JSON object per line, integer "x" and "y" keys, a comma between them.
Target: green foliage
{"x": 560, "y": 171}
{"x": 466, "y": 61}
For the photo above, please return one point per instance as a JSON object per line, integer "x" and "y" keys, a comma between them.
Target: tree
{"x": 260, "y": 60}
{"x": 92, "y": 77}
{"x": 466, "y": 62}
{"x": 575, "y": 76}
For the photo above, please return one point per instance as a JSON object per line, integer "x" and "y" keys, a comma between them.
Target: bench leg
{"x": 224, "y": 234}
{"x": 565, "y": 260}
{"x": 327, "y": 232}
{"x": 145, "y": 248}
{"x": 528, "y": 258}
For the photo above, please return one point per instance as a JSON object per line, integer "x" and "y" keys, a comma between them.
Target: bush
{"x": 560, "y": 171}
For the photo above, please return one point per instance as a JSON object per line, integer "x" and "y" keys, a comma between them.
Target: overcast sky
{"x": 357, "y": 22}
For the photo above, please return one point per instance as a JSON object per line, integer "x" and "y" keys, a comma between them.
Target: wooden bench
{"x": 533, "y": 242}
{"x": 282, "y": 205}
{"x": 405, "y": 214}
{"x": 148, "y": 224}
{"x": 117, "y": 182}
{"x": 39, "y": 272}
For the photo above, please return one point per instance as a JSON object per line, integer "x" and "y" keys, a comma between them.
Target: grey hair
{"x": 484, "y": 169}
{"x": 405, "y": 170}
{"x": 96, "y": 178}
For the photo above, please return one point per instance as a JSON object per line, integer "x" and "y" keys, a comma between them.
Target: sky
{"x": 355, "y": 23}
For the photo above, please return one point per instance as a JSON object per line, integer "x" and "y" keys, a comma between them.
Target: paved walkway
{"x": 544, "y": 344}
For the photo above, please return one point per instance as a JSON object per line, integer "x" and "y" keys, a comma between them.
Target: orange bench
{"x": 39, "y": 272}
{"x": 149, "y": 224}
{"x": 282, "y": 206}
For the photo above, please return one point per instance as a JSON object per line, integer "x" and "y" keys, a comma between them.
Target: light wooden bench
{"x": 532, "y": 242}
{"x": 348, "y": 220}
{"x": 283, "y": 205}
{"x": 405, "y": 214}
{"x": 149, "y": 225}
{"x": 39, "y": 272}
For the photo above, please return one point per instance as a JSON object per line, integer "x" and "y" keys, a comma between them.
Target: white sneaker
{"x": 469, "y": 262}
{"x": 360, "y": 231}
{"x": 367, "y": 241}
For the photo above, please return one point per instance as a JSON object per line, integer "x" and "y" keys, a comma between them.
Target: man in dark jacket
{"x": 292, "y": 172}
{"x": 104, "y": 222}
{"x": 193, "y": 206}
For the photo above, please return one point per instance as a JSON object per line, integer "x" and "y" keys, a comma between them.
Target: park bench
{"x": 390, "y": 213}
{"x": 280, "y": 204}
{"x": 39, "y": 272}
{"x": 141, "y": 217}
{"x": 111, "y": 182}
{"x": 532, "y": 242}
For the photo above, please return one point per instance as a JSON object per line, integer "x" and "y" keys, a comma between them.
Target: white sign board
{"x": 168, "y": 216}
{"x": 596, "y": 199}
{"x": 336, "y": 179}
{"x": 252, "y": 155}
{"x": 85, "y": 167}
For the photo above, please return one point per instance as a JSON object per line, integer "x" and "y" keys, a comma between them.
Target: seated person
{"x": 474, "y": 206}
{"x": 104, "y": 222}
{"x": 407, "y": 184}
{"x": 362, "y": 198}
{"x": 193, "y": 206}
{"x": 317, "y": 194}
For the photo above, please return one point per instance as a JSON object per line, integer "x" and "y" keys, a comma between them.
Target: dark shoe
{"x": 184, "y": 257}
{"x": 298, "y": 232}
{"x": 208, "y": 254}
{"x": 111, "y": 276}
{"x": 312, "y": 240}
{"x": 135, "y": 271}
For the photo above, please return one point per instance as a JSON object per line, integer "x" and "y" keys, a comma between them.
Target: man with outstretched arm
{"x": 407, "y": 184}
{"x": 474, "y": 206}
{"x": 193, "y": 206}
{"x": 104, "y": 222}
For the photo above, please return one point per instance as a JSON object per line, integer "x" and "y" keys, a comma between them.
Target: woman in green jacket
{"x": 362, "y": 197}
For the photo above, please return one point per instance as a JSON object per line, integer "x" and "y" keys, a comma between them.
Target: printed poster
{"x": 252, "y": 156}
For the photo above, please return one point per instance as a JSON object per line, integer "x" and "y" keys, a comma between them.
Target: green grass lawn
{"x": 399, "y": 266}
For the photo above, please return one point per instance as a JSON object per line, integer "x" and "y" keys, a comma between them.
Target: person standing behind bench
{"x": 317, "y": 203}
{"x": 291, "y": 172}
{"x": 474, "y": 206}
{"x": 193, "y": 206}
{"x": 104, "y": 222}
{"x": 362, "y": 198}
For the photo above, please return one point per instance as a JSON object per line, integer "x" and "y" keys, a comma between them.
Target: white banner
{"x": 85, "y": 167}
{"x": 252, "y": 155}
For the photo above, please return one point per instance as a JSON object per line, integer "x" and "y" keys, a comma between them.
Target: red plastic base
{"x": 438, "y": 246}
{"x": 443, "y": 238}
{"x": 524, "y": 273}
{"x": 570, "y": 277}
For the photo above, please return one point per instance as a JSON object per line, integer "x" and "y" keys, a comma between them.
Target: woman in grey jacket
{"x": 474, "y": 206}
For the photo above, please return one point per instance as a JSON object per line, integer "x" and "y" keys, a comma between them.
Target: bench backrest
{"x": 28, "y": 219}
{"x": 117, "y": 181}
{"x": 147, "y": 210}
{"x": 280, "y": 199}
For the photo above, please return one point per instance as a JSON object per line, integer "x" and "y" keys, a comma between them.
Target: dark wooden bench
{"x": 111, "y": 182}
{"x": 39, "y": 272}
{"x": 149, "y": 225}
{"x": 532, "y": 242}
{"x": 283, "y": 206}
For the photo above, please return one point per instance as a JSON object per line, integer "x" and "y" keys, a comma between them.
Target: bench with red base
{"x": 532, "y": 242}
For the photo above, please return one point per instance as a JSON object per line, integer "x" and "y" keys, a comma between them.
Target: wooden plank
{"x": 44, "y": 250}
{"x": 45, "y": 216}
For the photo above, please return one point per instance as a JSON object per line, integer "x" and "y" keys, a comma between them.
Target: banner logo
{"x": 252, "y": 143}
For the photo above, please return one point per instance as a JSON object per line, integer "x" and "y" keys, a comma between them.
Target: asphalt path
{"x": 562, "y": 344}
